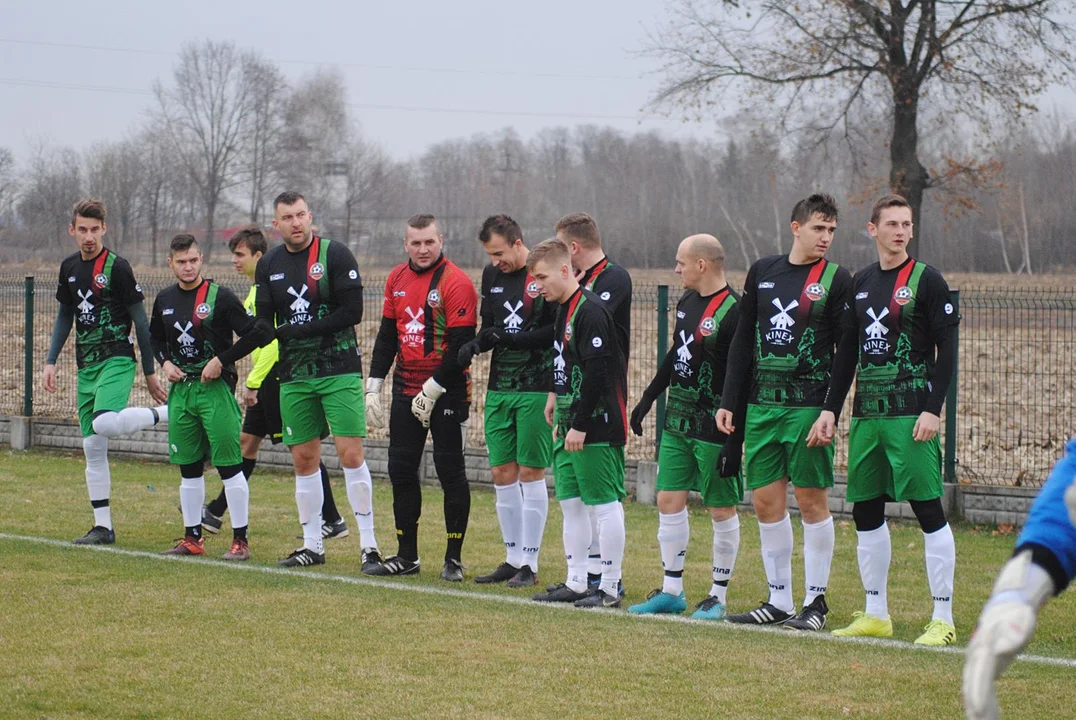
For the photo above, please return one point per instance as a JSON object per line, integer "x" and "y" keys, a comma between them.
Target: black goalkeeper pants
{"x": 407, "y": 438}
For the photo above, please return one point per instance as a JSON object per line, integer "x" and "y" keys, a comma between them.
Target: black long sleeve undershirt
{"x": 259, "y": 335}
{"x": 450, "y": 364}
{"x": 943, "y": 370}
{"x": 595, "y": 375}
{"x": 741, "y": 354}
{"x": 843, "y": 372}
{"x": 536, "y": 339}
{"x": 65, "y": 319}
{"x": 145, "y": 344}
{"x": 663, "y": 378}
{"x": 385, "y": 347}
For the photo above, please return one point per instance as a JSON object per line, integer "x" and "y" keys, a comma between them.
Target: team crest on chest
{"x": 100, "y": 280}
{"x": 568, "y": 331}
{"x": 902, "y": 296}
{"x": 532, "y": 289}
{"x": 815, "y": 292}
{"x": 317, "y": 271}
{"x": 434, "y": 298}
{"x": 202, "y": 311}
{"x": 707, "y": 327}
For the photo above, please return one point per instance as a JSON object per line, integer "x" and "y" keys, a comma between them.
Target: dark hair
{"x": 288, "y": 197}
{"x": 181, "y": 243}
{"x": 251, "y": 236}
{"x": 582, "y": 228}
{"x": 817, "y": 204}
{"x": 502, "y": 225}
{"x": 89, "y": 208}
{"x": 551, "y": 250}
{"x": 421, "y": 221}
{"x": 889, "y": 201}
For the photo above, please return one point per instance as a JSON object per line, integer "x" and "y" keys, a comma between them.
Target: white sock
{"x": 673, "y": 535}
{"x": 308, "y": 497}
{"x": 726, "y": 546}
{"x": 128, "y": 420}
{"x": 191, "y": 500}
{"x": 510, "y": 516}
{"x": 777, "y": 559}
{"x": 360, "y": 493}
{"x": 98, "y": 478}
{"x": 818, "y": 544}
{"x": 237, "y": 491}
{"x": 940, "y": 551}
{"x": 535, "y": 511}
{"x": 594, "y": 553}
{"x": 874, "y": 551}
{"x": 576, "y": 541}
{"x": 614, "y": 538}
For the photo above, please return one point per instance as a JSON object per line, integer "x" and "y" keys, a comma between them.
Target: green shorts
{"x": 516, "y": 430}
{"x": 884, "y": 460}
{"x": 595, "y": 474}
{"x": 103, "y": 387}
{"x": 307, "y": 406}
{"x": 689, "y": 464}
{"x": 203, "y": 418}
{"x": 775, "y": 447}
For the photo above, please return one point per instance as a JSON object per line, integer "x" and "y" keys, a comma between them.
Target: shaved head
{"x": 706, "y": 247}
{"x": 700, "y": 263}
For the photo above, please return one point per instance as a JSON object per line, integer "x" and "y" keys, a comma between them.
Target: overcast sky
{"x": 417, "y": 71}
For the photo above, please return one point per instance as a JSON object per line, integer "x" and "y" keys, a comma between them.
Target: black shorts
{"x": 263, "y": 419}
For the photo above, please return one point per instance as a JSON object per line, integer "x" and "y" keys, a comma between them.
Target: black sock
{"x": 195, "y": 532}
{"x": 407, "y": 508}
{"x": 457, "y": 513}
{"x": 248, "y": 466}
{"x": 240, "y": 533}
{"x": 329, "y": 513}
{"x": 218, "y": 505}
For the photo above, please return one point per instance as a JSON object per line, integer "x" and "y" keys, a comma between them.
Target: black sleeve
{"x": 841, "y": 304}
{"x": 63, "y": 290}
{"x": 385, "y": 347}
{"x": 595, "y": 336}
{"x": 595, "y": 377}
{"x": 450, "y": 364}
{"x": 348, "y": 314}
{"x": 943, "y": 318}
{"x": 124, "y": 286}
{"x": 65, "y": 318}
{"x": 485, "y": 309}
{"x": 253, "y": 332}
{"x": 263, "y": 301}
{"x": 943, "y": 371}
{"x": 344, "y": 280}
{"x": 741, "y": 351}
{"x": 158, "y": 338}
{"x": 844, "y": 371}
{"x": 145, "y": 344}
{"x": 536, "y": 339}
{"x": 663, "y": 377}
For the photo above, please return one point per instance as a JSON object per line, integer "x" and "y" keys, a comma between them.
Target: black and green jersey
{"x": 99, "y": 291}
{"x": 191, "y": 327}
{"x": 510, "y": 301}
{"x": 704, "y": 329}
{"x": 303, "y": 287}
{"x": 792, "y": 316}
{"x": 901, "y": 314}
{"x": 590, "y": 374}
{"x": 612, "y": 284}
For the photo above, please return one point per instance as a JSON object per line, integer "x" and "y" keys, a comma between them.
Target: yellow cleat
{"x": 864, "y": 625}
{"x": 938, "y": 633}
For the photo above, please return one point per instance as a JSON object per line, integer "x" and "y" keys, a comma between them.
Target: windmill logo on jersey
{"x": 513, "y": 319}
{"x": 300, "y": 306}
{"x": 185, "y": 340}
{"x": 532, "y": 289}
{"x": 876, "y": 343}
{"x": 560, "y": 375}
{"x": 415, "y": 330}
{"x": 683, "y": 355}
{"x": 85, "y": 307}
{"x": 779, "y": 333}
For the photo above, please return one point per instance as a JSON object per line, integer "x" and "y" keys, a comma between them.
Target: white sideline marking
{"x": 509, "y": 600}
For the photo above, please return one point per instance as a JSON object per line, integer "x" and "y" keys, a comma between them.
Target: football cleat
{"x": 395, "y": 565}
{"x": 764, "y": 614}
{"x": 710, "y": 609}
{"x": 503, "y": 573}
{"x": 97, "y": 535}
{"x": 658, "y": 602}
{"x": 864, "y": 625}
{"x": 599, "y": 599}
{"x": 938, "y": 633}
{"x": 239, "y": 551}
{"x": 453, "y": 571}
{"x": 560, "y": 593}
{"x": 187, "y": 546}
{"x": 524, "y": 578}
{"x": 303, "y": 557}
{"x": 812, "y": 617}
{"x": 336, "y": 529}
{"x": 210, "y": 522}
{"x": 371, "y": 560}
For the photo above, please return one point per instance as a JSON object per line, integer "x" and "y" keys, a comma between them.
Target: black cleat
{"x": 503, "y": 573}
{"x": 765, "y": 614}
{"x": 302, "y": 558}
{"x": 336, "y": 529}
{"x": 561, "y": 593}
{"x": 98, "y": 535}
{"x": 453, "y": 571}
{"x": 812, "y": 617}
{"x": 598, "y": 599}
{"x": 210, "y": 522}
{"x": 593, "y": 583}
{"x": 371, "y": 561}
{"x": 524, "y": 578}
{"x": 395, "y": 565}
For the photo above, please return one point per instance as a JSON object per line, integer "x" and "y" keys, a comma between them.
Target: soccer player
{"x": 904, "y": 349}
{"x": 589, "y": 427}
{"x": 793, "y": 311}
{"x": 1043, "y": 564}
{"x": 519, "y": 442}
{"x": 261, "y": 398}
{"x": 98, "y": 294}
{"x": 191, "y": 329}
{"x": 309, "y": 288}
{"x": 693, "y": 455}
{"x": 430, "y": 312}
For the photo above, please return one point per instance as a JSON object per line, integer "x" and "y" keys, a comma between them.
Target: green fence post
{"x": 951, "y": 401}
{"x": 28, "y": 386}
{"x": 663, "y": 342}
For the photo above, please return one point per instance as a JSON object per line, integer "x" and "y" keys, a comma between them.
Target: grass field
{"x": 123, "y": 633}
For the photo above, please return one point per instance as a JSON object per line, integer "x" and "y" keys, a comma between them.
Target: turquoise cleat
{"x": 659, "y": 602}
{"x": 709, "y": 609}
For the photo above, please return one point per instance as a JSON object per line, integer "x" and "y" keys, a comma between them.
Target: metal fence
{"x": 1015, "y": 395}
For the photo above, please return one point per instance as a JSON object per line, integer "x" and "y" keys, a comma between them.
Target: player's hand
{"x": 375, "y": 414}
{"x": 156, "y": 390}
{"x": 467, "y": 352}
{"x": 422, "y": 404}
{"x": 573, "y": 441}
{"x": 171, "y": 372}
{"x": 212, "y": 370}
{"x": 724, "y": 421}
{"x": 926, "y": 427}
{"x": 730, "y": 459}
{"x": 1070, "y": 502}
{"x": 286, "y": 331}
{"x": 823, "y": 431}
{"x": 638, "y": 413}
{"x": 48, "y": 378}
{"x": 551, "y": 411}
{"x": 250, "y": 397}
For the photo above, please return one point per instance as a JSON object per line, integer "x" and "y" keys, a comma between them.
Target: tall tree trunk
{"x": 210, "y": 241}
{"x": 1001, "y": 238}
{"x": 1027, "y": 235}
{"x": 907, "y": 176}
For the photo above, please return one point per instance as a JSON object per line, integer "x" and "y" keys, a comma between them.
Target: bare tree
{"x": 367, "y": 171}
{"x": 49, "y": 187}
{"x": 114, "y": 173}
{"x": 811, "y": 65}
{"x": 263, "y": 157}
